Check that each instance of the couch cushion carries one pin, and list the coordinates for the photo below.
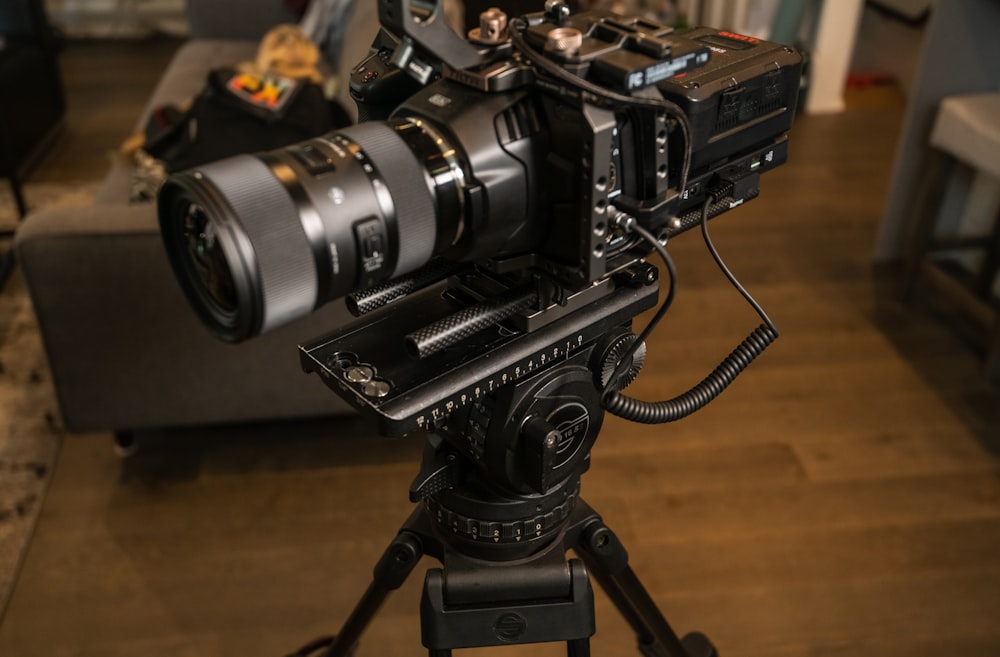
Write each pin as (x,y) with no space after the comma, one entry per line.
(125,349)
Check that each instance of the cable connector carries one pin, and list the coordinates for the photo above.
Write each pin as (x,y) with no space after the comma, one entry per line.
(624,221)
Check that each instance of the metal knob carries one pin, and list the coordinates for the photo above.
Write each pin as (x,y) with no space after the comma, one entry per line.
(492,27)
(564,40)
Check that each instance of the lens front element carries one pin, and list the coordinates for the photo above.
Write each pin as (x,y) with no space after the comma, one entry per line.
(208,260)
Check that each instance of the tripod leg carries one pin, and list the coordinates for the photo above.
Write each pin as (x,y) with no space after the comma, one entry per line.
(397,562)
(607,560)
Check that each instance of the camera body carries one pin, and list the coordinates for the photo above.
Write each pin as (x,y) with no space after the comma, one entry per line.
(589,165)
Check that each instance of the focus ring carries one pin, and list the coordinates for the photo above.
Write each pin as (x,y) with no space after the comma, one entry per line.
(271,222)
(416,223)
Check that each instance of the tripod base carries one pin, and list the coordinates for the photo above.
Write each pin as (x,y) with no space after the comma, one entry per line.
(475,603)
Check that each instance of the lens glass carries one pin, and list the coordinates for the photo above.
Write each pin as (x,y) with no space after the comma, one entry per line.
(208,259)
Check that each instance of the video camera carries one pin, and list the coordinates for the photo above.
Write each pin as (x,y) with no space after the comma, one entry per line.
(502,193)
(528,147)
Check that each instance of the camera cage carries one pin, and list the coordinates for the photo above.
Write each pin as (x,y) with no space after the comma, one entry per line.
(671,130)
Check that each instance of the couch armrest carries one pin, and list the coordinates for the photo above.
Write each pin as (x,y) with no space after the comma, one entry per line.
(235,19)
(125,349)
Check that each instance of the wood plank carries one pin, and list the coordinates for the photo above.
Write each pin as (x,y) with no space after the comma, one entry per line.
(864,615)
(781,509)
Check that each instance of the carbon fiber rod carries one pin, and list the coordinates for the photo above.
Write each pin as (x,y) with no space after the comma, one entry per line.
(455,328)
(365,301)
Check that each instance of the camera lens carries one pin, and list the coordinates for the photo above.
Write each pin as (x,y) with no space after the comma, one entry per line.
(259,240)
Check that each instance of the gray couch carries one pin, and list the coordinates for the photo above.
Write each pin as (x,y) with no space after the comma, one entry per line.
(125,350)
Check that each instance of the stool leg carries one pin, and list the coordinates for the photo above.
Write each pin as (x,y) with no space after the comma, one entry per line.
(926,203)
(987,282)
(993,355)
(7,262)
(15,186)
(987,275)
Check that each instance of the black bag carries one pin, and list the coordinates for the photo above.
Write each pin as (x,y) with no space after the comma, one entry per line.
(237,113)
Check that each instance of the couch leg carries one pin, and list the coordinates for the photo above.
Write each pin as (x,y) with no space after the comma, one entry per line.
(126,443)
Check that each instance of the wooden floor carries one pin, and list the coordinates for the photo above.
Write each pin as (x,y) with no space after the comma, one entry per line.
(841,498)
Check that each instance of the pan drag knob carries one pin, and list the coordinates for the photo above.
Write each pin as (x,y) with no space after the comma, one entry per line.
(613,352)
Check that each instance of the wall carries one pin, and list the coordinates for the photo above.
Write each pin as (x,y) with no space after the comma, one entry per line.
(890,46)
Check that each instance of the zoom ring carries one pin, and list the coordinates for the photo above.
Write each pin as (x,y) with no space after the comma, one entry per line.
(506,531)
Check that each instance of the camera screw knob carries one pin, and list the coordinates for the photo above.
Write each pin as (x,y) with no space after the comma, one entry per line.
(376,388)
(564,40)
(359,374)
(370,385)
(492,28)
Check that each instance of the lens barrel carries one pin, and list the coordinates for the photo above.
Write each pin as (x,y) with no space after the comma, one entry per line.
(259,240)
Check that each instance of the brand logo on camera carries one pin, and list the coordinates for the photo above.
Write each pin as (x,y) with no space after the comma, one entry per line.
(572,421)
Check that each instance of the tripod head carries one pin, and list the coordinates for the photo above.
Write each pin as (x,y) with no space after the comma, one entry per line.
(512,410)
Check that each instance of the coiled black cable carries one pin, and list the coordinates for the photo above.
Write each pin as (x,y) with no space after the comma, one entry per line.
(636,410)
